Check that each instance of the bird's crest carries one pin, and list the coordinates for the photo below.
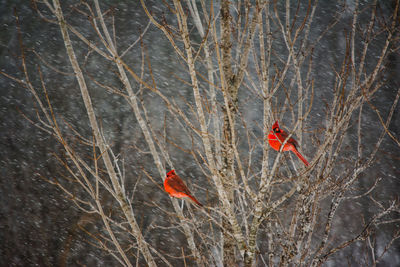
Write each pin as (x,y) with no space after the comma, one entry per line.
(171,172)
(275,127)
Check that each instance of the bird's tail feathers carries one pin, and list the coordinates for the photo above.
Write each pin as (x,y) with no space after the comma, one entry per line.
(194,200)
(300,156)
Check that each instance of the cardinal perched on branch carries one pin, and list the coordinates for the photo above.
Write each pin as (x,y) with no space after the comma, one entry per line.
(276,137)
(175,187)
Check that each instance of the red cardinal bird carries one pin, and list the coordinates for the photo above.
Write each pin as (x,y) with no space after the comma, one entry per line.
(175,187)
(276,137)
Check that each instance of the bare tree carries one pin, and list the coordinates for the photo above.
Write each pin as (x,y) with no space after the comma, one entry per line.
(241,58)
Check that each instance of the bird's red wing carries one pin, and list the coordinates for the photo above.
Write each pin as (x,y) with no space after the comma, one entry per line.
(178,185)
(282,135)
(177,188)
(293,141)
